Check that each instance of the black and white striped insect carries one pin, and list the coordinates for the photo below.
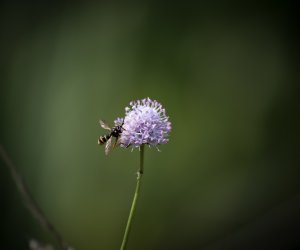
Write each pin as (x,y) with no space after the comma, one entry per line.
(115,132)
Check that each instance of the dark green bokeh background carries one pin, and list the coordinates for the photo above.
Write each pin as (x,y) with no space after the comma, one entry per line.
(227,75)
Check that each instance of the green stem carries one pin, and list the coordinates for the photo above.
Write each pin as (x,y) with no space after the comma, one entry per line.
(136,194)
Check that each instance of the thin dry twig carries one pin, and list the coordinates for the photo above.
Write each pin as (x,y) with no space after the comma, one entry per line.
(30,203)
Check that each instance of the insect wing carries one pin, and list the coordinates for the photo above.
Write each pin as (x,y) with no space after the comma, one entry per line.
(108,146)
(117,142)
(104,125)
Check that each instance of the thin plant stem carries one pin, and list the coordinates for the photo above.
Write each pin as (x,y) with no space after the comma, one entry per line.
(135,197)
(30,202)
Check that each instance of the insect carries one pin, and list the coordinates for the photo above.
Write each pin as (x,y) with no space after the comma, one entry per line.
(114,132)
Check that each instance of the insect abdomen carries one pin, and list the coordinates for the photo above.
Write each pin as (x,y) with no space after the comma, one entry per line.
(103,139)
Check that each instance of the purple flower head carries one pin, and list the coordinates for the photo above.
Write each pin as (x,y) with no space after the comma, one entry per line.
(145,122)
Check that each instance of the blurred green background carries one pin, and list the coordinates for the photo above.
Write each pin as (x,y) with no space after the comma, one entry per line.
(227,75)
